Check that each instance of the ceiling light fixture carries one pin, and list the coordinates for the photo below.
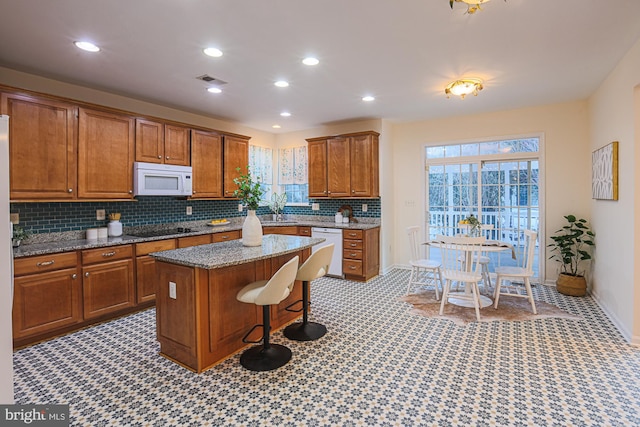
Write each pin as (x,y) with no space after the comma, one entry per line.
(368,98)
(463,87)
(285,114)
(276,126)
(212,51)
(214,90)
(88,46)
(472,5)
(310,61)
(281,83)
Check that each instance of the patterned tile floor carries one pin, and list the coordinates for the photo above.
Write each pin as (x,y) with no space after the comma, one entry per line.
(379,365)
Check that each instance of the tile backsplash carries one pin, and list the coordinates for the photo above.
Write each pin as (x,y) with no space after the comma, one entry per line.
(52,217)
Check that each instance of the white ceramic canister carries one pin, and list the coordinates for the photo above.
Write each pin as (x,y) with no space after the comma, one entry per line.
(345,219)
(339,218)
(103,233)
(115,228)
(92,233)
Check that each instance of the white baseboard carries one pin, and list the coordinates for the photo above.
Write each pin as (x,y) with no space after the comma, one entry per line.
(631,339)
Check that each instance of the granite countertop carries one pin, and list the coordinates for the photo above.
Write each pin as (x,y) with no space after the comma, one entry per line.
(218,255)
(72,244)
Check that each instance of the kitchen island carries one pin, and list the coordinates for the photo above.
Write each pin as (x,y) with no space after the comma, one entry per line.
(199,321)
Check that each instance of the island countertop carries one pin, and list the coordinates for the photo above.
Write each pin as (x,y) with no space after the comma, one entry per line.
(225,254)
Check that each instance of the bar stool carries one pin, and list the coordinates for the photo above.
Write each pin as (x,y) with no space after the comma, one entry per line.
(316,266)
(267,356)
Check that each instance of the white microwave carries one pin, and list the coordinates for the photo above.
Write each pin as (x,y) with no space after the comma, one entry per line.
(151,179)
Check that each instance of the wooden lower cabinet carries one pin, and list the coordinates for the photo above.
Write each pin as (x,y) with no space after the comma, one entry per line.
(107,287)
(146,268)
(205,323)
(361,254)
(46,301)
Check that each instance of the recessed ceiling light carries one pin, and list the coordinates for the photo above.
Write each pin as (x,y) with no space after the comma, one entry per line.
(276,126)
(281,83)
(285,114)
(368,98)
(214,90)
(88,46)
(212,51)
(310,61)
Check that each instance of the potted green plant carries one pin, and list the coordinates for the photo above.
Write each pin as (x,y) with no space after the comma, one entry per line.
(250,193)
(19,234)
(571,246)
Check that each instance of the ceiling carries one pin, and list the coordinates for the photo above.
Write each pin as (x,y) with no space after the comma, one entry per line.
(403,52)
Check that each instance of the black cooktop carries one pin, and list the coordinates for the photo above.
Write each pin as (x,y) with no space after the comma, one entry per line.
(163,232)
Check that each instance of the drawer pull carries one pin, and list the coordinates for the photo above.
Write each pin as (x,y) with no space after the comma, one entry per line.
(45,263)
(352,234)
(351,267)
(353,245)
(225,237)
(353,254)
(109,254)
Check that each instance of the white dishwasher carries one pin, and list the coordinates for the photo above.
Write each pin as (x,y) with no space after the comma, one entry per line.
(332,235)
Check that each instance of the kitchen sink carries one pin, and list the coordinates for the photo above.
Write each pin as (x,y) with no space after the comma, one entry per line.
(161,232)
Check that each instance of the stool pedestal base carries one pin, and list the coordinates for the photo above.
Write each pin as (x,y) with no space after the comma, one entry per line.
(308,331)
(259,358)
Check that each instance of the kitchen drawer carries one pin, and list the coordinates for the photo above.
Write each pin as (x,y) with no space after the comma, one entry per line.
(291,230)
(159,245)
(352,234)
(225,237)
(111,253)
(42,263)
(352,254)
(352,267)
(352,244)
(185,242)
(304,231)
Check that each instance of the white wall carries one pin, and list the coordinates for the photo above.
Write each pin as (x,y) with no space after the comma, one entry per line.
(613,116)
(567,161)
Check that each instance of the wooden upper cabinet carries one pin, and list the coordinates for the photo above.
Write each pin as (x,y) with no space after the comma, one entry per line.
(42,147)
(177,145)
(206,150)
(317,150)
(157,142)
(105,155)
(338,167)
(364,165)
(149,141)
(235,155)
(344,166)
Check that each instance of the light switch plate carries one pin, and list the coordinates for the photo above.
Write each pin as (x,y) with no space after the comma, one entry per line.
(365,207)
(172,290)
(315,206)
(189,210)
(239,207)
(100,214)
(14,218)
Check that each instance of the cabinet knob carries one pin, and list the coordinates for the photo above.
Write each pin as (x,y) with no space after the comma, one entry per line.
(353,191)
(130,191)
(74,276)
(86,274)
(70,190)
(167,157)
(194,191)
(328,192)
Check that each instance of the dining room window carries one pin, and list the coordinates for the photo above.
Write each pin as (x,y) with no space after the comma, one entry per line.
(496,181)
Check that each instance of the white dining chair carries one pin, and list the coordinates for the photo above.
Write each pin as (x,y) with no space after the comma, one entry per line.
(524,273)
(424,272)
(468,272)
(484,260)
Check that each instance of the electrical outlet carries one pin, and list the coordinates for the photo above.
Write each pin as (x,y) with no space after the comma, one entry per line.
(239,207)
(189,210)
(315,206)
(172,290)
(14,218)
(100,214)
(364,207)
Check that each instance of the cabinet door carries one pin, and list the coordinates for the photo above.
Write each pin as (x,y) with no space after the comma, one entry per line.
(236,155)
(45,302)
(317,168)
(149,141)
(177,146)
(206,160)
(364,165)
(42,147)
(145,279)
(107,287)
(105,155)
(338,167)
